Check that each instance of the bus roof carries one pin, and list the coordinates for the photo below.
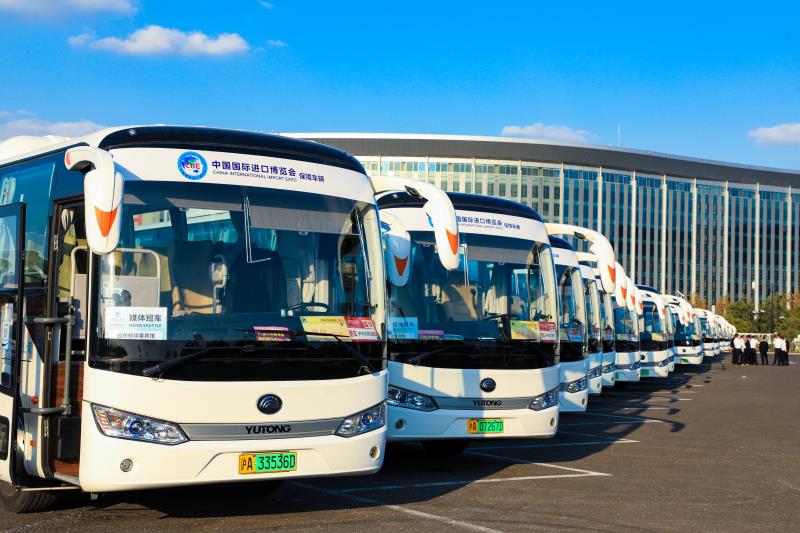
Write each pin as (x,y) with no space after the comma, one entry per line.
(188,137)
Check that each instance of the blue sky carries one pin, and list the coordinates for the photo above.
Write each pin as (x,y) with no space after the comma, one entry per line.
(718,81)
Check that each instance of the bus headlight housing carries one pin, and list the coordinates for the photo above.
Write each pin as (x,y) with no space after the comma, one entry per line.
(124,425)
(410,400)
(545,401)
(363,422)
(575,386)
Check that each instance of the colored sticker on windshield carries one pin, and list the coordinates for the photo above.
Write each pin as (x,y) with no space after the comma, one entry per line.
(146,323)
(575,334)
(362,329)
(548,332)
(524,330)
(272,334)
(330,325)
(403,327)
(431,334)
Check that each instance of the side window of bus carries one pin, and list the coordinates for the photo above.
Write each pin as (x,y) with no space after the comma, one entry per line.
(30,183)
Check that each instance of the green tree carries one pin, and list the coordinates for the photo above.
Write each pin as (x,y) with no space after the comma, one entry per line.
(740,314)
(698,301)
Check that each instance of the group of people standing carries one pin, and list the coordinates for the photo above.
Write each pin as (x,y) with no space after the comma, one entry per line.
(746,347)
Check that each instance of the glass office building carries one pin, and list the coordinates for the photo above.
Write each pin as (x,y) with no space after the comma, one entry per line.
(680,224)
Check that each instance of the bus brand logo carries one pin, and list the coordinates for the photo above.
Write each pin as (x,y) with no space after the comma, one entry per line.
(487,403)
(192,165)
(263,430)
(488,385)
(269,404)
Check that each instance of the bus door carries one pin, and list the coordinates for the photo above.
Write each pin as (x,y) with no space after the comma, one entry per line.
(71,298)
(12,231)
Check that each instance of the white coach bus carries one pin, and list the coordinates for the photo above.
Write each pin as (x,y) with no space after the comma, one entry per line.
(473,322)
(574,361)
(653,335)
(186,306)
(688,338)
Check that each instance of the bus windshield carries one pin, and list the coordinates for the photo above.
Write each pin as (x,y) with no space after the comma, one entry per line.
(625,330)
(684,334)
(269,284)
(653,334)
(607,321)
(573,304)
(573,313)
(705,327)
(593,310)
(496,310)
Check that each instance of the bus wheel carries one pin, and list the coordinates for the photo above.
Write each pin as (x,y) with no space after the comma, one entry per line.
(17,501)
(443,448)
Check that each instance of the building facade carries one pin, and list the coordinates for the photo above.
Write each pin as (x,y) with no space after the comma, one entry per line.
(680,224)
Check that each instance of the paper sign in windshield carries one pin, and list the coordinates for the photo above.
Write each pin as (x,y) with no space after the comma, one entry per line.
(146,323)
(525,330)
(272,334)
(362,329)
(431,334)
(575,334)
(548,332)
(327,325)
(406,327)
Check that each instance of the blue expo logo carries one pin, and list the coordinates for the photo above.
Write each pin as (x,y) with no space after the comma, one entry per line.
(192,165)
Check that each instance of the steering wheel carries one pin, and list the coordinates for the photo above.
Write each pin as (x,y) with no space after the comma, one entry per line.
(306,305)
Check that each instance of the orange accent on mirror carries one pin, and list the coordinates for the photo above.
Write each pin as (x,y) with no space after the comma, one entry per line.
(105,219)
(453,239)
(400,264)
(613,273)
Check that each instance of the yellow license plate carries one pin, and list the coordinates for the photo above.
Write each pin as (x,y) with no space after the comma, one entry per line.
(484,425)
(266,463)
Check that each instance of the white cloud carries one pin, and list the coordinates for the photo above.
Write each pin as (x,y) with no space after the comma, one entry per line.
(52,7)
(276,43)
(266,5)
(14,123)
(157,40)
(554,132)
(787,134)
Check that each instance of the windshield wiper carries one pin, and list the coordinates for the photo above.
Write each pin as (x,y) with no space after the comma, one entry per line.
(355,353)
(491,316)
(163,366)
(424,355)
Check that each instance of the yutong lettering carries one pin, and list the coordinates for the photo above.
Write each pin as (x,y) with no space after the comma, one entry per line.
(274,428)
(487,403)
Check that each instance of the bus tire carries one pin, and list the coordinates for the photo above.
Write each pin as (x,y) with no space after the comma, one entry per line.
(445,448)
(17,501)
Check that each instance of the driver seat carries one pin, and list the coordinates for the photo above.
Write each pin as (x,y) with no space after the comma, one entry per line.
(259,286)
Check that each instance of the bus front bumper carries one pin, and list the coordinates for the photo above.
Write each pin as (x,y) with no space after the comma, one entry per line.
(574,395)
(655,364)
(412,425)
(595,375)
(609,367)
(628,367)
(206,462)
(690,355)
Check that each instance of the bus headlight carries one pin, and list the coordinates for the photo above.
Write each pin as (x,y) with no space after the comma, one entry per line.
(124,425)
(575,386)
(545,401)
(363,422)
(410,400)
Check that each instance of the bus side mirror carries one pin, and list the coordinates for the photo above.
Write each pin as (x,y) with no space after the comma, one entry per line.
(438,207)
(397,249)
(102,194)
(620,287)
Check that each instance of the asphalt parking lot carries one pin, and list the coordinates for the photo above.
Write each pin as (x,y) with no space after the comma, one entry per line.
(714,448)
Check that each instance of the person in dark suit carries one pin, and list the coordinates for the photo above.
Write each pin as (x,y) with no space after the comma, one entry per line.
(750,351)
(763,348)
